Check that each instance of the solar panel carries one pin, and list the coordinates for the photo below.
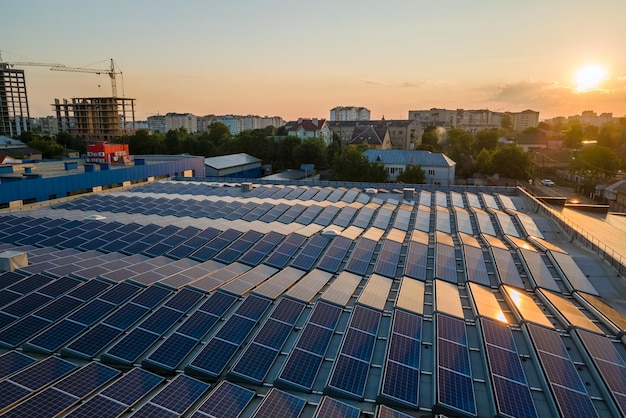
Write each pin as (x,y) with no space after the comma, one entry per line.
(12,361)
(475,265)
(262,248)
(238,247)
(280,257)
(227,400)
(280,404)
(335,254)
(177,397)
(565,382)
(310,252)
(388,257)
(333,408)
(361,256)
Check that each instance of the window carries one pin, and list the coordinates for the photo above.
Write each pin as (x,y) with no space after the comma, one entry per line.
(431,172)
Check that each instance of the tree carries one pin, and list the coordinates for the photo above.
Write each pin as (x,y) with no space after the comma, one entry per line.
(145,143)
(486,139)
(412,174)
(49,149)
(483,163)
(311,151)
(596,162)
(352,165)
(511,161)
(506,122)
(430,138)
(574,136)
(458,146)
(218,132)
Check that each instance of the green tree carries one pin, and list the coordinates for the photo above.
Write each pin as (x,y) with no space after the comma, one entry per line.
(172,142)
(142,142)
(596,162)
(483,163)
(573,136)
(352,165)
(430,138)
(218,133)
(412,174)
(49,148)
(312,151)
(458,146)
(511,161)
(506,122)
(486,139)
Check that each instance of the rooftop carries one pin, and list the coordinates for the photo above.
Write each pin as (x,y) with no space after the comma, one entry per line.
(206,299)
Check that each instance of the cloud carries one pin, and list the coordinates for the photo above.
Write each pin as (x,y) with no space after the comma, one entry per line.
(408,84)
(551,98)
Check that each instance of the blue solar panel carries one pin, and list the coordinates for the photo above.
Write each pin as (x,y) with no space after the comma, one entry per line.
(87,379)
(55,336)
(43,373)
(171,353)
(21,330)
(505,363)
(358,344)
(349,376)
(285,251)
(161,320)
(361,256)
(288,311)
(126,316)
(92,342)
(227,400)
(238,247)
(255,363)
(198,324)
(26,304)
(182,392)
(387,262)
(365,319)
(454,381)
(132,386)
(326,315)
(335,254)
(262,248)
(184,299)
(273,334)
(280,404)
(332,408)
(400,383)
(131,347)
(455,391)
(386,412)
(315,339)
(151,296)
(92,312)
(310,253)
(253,307)
(12,361)
(513,399)
(236,329)
(416,261)
(213,358)
(58,308)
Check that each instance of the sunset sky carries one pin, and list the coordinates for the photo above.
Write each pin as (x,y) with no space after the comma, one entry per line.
(300,59)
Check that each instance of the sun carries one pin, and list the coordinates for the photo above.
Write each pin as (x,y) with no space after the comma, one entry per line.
(589,77)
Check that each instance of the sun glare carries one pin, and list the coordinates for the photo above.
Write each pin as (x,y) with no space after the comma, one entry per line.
(589,77)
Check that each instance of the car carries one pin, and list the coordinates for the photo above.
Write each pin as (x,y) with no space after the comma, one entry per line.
(547,182)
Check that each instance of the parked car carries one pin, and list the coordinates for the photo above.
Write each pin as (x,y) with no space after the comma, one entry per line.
(547,182)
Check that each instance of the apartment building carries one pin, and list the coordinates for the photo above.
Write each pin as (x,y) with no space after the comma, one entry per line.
(403,134)
(175,121)
(349,113)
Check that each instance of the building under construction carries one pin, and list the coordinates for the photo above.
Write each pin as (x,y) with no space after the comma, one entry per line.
(14,114)
(96,119)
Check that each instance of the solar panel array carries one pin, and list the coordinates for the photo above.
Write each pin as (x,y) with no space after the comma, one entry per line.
(200,300)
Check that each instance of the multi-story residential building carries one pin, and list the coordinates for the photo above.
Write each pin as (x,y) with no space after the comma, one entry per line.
(404,134)
(175,121)
(156,124)
(205,121)
(251,122)
(47,125)
(590,117)
(232,122)
(349,113)
(14,113)
(474,120)
(524,120)
(310,128)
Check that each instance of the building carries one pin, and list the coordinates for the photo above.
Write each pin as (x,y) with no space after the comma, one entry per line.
(108,153)
(17,149)
(14,112)
(524,120)
(40,182)
(175,121)
(156,124)
(233,123)
(375,136)
(191,298)
(474,120)
(233,166)
(438,168)
(310,128)
(404,134)
(349,113)
(96,119)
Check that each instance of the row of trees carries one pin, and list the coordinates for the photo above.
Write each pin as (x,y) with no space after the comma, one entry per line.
(482,153)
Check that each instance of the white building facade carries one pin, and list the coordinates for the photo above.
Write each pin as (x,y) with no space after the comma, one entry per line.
(349,113)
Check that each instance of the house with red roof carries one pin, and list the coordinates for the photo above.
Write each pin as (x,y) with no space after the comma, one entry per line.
(310,128)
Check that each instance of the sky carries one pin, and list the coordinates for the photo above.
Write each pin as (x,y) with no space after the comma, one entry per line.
(292,58)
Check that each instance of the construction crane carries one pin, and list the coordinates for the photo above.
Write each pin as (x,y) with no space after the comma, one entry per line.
(60,67)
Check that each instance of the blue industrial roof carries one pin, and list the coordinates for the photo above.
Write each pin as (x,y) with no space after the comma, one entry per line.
(406,157)
(202,299)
